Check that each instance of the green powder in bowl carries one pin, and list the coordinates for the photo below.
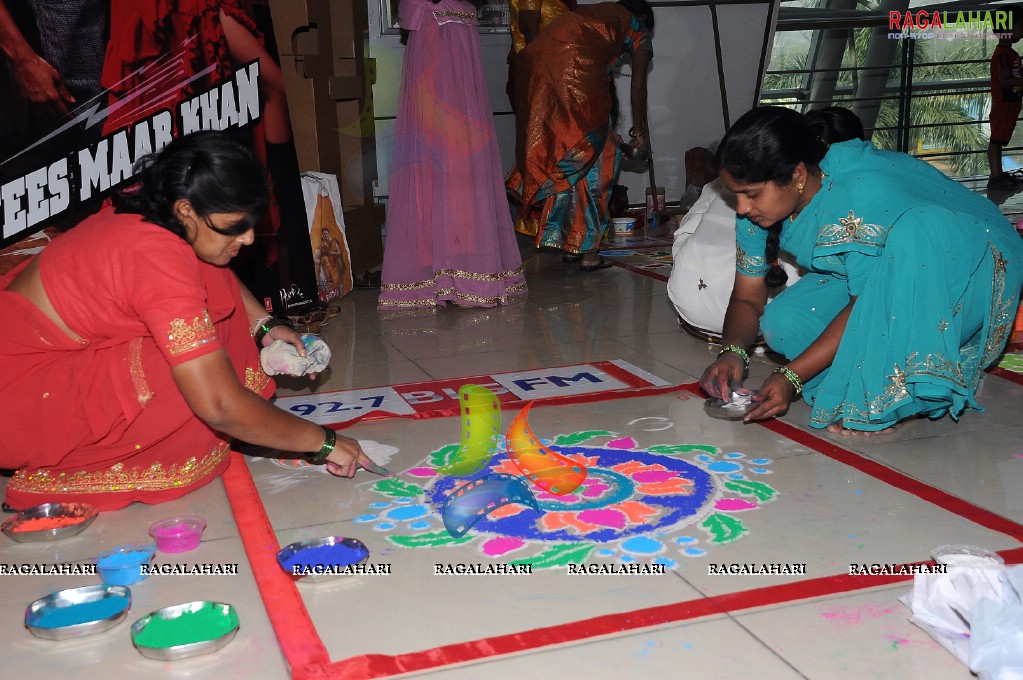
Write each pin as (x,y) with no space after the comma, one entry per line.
(185,630)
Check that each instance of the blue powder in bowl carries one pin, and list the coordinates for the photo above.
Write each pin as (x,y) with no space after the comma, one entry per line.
(123,567)
(338,555)
(83,612)
(124,559)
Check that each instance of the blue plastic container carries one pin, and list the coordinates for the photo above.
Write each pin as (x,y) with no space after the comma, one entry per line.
(122,566)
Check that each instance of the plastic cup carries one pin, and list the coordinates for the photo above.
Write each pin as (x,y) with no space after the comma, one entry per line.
(178,534)
(623,225)
(123,566)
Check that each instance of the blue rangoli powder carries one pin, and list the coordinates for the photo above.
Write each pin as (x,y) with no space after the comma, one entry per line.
(84,612)
(124,559)
(338,555)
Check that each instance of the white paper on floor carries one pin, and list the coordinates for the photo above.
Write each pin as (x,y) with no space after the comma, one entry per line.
(976,613)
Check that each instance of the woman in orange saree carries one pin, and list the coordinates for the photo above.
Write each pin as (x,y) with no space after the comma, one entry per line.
(566,150)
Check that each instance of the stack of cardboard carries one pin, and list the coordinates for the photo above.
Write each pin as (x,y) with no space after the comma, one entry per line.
(328,82)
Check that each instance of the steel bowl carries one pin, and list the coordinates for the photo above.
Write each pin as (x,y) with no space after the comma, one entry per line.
(286,557)
(959,555)
(176,615)
(38,615)
(84,513)
(734,410)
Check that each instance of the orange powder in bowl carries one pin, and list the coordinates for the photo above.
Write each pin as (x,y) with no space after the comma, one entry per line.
(44,523)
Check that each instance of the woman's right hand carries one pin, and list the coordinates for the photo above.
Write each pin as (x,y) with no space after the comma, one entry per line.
(727,370)
(347,456)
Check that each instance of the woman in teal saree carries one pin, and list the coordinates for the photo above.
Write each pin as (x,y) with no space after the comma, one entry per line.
(913,285)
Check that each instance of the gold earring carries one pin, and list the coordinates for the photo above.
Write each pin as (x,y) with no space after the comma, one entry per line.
(801,188)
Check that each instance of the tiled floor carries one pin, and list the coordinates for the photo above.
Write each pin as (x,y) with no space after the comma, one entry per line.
(1010,202)
(823,513)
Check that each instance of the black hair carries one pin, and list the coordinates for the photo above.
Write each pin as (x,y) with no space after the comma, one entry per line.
(835,124)
(209,169)
(642,10)
(766,145)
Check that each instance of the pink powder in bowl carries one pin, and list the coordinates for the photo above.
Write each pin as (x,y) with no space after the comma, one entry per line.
(177,534)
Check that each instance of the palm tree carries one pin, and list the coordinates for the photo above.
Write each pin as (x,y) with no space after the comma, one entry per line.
(949,119)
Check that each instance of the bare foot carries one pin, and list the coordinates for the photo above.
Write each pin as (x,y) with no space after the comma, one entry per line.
(839,428)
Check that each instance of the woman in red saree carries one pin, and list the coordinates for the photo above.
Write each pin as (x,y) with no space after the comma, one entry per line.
(566,152)
(128,363)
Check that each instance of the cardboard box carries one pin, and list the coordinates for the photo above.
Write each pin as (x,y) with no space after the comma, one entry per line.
(327,81)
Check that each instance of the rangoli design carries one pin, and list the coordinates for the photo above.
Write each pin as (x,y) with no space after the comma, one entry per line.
(635,505)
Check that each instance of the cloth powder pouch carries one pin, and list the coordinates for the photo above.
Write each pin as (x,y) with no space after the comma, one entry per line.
(282,358)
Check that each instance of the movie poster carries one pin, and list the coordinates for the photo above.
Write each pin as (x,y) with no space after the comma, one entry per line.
(89,86)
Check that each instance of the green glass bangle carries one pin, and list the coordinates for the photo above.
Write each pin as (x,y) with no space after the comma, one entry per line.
(735,349)
(266,327)
(328,446)
(792,377)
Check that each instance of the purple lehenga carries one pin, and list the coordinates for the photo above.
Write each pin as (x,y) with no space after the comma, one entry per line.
(449,230)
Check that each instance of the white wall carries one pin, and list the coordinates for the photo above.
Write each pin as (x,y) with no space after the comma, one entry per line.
(684,104)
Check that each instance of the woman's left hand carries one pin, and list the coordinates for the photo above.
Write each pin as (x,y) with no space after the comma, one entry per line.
(292,337)
(773,399)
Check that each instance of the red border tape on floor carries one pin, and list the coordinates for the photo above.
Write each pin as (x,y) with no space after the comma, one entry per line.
(308,658)
(943,500)
(379,665)
(289,617)
(1011,376)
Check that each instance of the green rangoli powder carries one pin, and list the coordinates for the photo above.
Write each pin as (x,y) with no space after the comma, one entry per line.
(206,623)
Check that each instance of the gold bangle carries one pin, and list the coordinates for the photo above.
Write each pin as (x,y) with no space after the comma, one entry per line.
(633,132)
(735,349)
(792,377)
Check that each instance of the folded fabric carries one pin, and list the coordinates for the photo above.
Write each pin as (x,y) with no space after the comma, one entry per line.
(282,358)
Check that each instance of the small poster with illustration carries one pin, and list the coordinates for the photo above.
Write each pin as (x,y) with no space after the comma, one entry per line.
(331,258)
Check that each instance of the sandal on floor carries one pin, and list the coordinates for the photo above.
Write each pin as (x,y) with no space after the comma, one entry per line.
(572,258)
(601,264)
(367,280)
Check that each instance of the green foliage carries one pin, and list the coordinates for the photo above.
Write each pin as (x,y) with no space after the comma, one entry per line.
(945,119)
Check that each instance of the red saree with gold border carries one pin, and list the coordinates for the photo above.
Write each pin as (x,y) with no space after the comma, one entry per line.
(100,419)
